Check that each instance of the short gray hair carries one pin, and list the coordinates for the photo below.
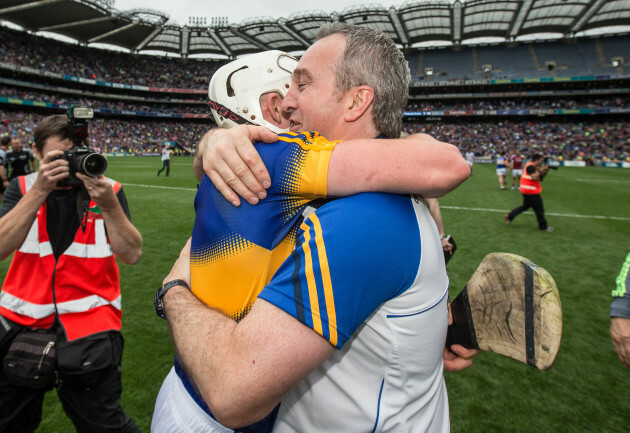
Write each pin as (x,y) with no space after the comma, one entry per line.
(371,58)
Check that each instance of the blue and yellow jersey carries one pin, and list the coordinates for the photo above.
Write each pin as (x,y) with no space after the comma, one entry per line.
(352,255)
(501,161)
(236,250)
(368,275)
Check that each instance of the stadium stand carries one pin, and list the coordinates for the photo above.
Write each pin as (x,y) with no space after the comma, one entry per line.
(447,64)
(507,62)
(615,47)
(554,92)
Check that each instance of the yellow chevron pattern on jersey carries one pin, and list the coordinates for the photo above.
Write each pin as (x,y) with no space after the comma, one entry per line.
(231,283)
(236,251)
(222,248)
(299,186)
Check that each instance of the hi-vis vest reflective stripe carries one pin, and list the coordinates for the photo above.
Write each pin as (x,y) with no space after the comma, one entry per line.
(529,185)
(81,287)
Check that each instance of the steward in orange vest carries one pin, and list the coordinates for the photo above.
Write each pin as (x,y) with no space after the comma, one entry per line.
(530,184)
(534,172)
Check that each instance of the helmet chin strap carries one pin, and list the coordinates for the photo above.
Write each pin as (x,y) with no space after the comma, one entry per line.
(222,110)
(225,112)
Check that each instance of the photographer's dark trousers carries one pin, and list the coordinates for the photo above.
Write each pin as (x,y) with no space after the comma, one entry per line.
(535,202)
(166,164)
(91,400)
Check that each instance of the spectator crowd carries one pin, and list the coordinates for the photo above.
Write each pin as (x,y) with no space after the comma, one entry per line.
(593,140)
(113,135)
(566,140)
(199,106)
(21,49)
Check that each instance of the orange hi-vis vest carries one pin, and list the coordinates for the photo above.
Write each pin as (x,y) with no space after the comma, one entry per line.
(529,185)
(81,287)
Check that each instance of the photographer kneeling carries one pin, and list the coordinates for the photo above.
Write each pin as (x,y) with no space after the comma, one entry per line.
(534,172)
(60,305)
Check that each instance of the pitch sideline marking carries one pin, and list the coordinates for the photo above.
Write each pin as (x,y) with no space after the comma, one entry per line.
(160,187)
(478,209)
(569,215)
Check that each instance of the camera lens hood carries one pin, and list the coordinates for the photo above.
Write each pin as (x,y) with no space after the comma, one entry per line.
(93,164)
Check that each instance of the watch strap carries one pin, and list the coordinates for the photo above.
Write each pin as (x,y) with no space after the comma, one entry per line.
(158,300)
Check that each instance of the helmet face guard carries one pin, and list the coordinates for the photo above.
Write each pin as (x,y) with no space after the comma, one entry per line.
(235,89)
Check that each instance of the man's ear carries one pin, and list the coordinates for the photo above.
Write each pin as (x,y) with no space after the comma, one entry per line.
(359,100)
(38,155)
(275,107)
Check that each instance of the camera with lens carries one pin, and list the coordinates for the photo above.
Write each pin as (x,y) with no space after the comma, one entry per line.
(81,159)
(552,164)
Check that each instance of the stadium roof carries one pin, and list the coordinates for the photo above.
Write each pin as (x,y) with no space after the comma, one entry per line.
(413,23)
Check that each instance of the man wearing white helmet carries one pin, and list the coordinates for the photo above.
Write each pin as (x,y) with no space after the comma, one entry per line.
(250,90)
(313,171)
(254,87)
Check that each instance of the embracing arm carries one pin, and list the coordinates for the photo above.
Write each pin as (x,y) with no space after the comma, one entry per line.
(416,164)
(434,210)
(268,350)
(232,163)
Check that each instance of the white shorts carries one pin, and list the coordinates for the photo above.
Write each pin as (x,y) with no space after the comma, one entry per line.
(176,411)
(517,172)
(501,171)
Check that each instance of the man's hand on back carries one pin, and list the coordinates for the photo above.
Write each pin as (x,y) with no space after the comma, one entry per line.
(232,163)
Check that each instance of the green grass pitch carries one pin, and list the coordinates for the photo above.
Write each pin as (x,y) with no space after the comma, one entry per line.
(586,390)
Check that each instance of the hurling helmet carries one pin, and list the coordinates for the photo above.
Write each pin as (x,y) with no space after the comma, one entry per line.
(235,88)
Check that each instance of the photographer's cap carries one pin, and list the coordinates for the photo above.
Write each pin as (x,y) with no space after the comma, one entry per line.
(235,88)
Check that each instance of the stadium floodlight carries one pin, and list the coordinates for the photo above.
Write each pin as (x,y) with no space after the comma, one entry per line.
(219,22)
(197,21)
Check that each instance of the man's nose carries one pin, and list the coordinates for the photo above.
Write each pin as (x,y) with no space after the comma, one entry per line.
(289,103)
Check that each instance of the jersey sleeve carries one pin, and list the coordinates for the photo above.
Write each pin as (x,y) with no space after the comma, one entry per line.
(352,255)
(298,164)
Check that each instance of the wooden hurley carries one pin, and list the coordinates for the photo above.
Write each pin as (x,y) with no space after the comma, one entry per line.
(510,306)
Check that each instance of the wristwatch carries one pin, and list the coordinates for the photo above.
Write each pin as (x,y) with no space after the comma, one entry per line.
(158,299)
